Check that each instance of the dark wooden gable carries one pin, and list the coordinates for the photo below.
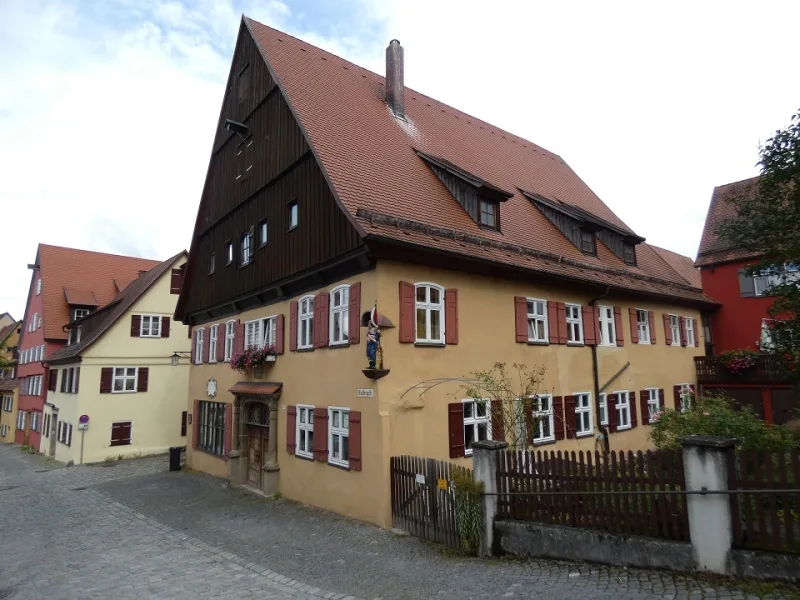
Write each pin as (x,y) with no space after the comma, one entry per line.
(282,170)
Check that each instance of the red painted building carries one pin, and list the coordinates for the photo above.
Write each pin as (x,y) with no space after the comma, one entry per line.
(65,284)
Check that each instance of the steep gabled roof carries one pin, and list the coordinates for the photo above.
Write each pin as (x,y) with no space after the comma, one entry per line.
(713,249)
(683,265)
(85,274)
(103,318)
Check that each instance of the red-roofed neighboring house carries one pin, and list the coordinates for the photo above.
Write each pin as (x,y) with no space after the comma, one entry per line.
(66,284)
(331,190)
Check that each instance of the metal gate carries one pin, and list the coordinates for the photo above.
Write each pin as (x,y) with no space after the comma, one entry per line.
(423,502)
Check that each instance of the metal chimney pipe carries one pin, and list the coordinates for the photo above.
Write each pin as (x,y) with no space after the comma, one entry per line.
(395,89)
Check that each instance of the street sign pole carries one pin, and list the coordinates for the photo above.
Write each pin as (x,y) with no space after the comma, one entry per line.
(83,434)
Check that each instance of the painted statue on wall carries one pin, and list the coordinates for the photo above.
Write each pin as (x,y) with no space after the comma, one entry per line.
(374,350)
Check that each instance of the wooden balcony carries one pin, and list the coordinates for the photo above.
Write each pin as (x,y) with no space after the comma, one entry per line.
(710,369)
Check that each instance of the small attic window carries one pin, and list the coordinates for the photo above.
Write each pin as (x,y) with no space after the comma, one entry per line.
(628,254)
(588,245)
(488,214)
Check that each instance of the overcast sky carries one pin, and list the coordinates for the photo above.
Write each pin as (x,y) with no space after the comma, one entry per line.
(108,109)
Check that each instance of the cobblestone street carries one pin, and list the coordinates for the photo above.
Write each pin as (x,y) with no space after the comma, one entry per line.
(132,530)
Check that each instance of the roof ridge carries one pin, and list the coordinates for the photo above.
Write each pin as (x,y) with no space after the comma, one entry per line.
(656,249)
(43,245)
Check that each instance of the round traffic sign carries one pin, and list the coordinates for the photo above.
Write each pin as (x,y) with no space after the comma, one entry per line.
(83,419)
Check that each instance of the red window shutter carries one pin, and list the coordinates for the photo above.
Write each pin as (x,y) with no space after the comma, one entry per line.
(77,379)
(632,404)
(552,321)
(321,434)
(354,323)
(661,399)
(321,319)
(53,380)
(221,343)
(562,323)
(634,326)
(165,323)
(176,282)
(611,399)
(194,343)
(184,418)
(558,417)
(136,325)
(651,319)
(682,328)
(618,326)
(292,327)
(667,330)
(407,312)
(696,333)
(195,423)
(355,440)
(291,428)
(228,428)
(521,319)
(106,376)
(498,421)
(591,325)
(676,393)
(238,337)
(279,334)
(206,344)
(643,396)
(142,379)
(451,316)
(570,420)
(455,424)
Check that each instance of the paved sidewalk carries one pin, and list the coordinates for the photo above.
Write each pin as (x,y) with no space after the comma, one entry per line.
(133,530)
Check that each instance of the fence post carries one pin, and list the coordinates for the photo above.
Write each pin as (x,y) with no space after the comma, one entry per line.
(705,463)
(484,465)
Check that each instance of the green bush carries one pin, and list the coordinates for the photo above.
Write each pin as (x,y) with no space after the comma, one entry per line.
(716,416)
(469,509)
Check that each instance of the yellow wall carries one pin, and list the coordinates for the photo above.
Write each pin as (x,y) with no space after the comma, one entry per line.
(9,418)
(156,413)
(6,357)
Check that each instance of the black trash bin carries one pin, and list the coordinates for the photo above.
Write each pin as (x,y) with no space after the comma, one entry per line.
(175,458)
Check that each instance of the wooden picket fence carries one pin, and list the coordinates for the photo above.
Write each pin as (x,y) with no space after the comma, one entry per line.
(637,494)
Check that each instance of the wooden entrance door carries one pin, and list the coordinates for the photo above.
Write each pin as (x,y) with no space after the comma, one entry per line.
(254,456)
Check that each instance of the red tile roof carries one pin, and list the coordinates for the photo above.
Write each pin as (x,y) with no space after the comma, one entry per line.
(80,297)
(371,160)
(82,272)
(683,265)
(714,250)
(255,388)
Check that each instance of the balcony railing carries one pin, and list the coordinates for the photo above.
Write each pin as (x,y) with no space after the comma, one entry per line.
(710,369)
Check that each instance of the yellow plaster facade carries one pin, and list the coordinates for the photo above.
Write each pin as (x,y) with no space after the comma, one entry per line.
(9,387)
(395,422)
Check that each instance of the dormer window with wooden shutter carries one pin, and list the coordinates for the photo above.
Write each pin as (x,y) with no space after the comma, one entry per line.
(628,254)
(588,245)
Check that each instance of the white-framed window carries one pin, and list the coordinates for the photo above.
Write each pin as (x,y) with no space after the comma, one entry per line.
(230,337)
(653,403)
(228,252)
(623,409)
(430,313)
(686,395)
(21,416)
(340,312)
(339,436)
(477,422)
(304,431)
(305,323)
(544,426)
(574,324)
(8,403)
(3,430)
(36,421)
(608,330)
(74,336)
(603,409)
(263,232)
(124,380)
(39,379)
(247,249)
(252,334)
(38,286)
(198,345)
(537,320)
(212,343)
(643,325)
(151,326)
(35,322)
(690,333)
(583,414)
(80,313)
(675,329)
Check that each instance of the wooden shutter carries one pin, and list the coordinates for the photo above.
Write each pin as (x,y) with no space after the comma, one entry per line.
(747,286)
(228,428)
(238,337)
(77,379)
(64,379)
(611,408)
(196,424)
(279,334)
(558,417)
(106,376)
(667,330)
(176,281)
(136,325)
(651,319)
(69,434)
(696,333)
(552,322)
(355,440)
(165,323)
(292,327)
(632,405)
(618,326)
(591,325)
(221,343)
(354,325)
(120,434)
(321,319)
(206,344)
(682,330)
(661,399)
(184,418)
(321,434)
(676,393)
(451,316)
(53,380)
(521,319)
(455,424)
(194,344)
(634,326)
(291,429)
(570,419)
(407,313)
(498,421)
(562,323)
(143,375)
(643,396)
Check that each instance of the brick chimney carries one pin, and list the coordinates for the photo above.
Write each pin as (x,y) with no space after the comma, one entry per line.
(395,90)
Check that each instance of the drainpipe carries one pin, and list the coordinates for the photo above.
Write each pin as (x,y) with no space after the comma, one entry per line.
(603,435)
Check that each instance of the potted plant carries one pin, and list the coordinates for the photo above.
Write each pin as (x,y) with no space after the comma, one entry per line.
(739,361)
(253,358)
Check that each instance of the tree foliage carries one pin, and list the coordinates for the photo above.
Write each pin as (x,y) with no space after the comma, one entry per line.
(768,223)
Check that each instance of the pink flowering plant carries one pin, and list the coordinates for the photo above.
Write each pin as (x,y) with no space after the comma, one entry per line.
(252,357)
(738,361)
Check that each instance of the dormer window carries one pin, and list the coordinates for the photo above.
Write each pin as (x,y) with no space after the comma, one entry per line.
(488,214)
(587,242)
(628,254)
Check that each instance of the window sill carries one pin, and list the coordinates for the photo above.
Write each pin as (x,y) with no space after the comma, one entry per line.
(584,434)
(339,345)
(305,349)
(641,343)
(577,344)
(120,392)
(339,466)
(212,362)
(626,428)
(544,442)
(304,457)
(433,344)
(292,228)
(607,345)
(537,343)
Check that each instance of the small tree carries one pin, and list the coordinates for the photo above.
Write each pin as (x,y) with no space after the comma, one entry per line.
(512,399)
